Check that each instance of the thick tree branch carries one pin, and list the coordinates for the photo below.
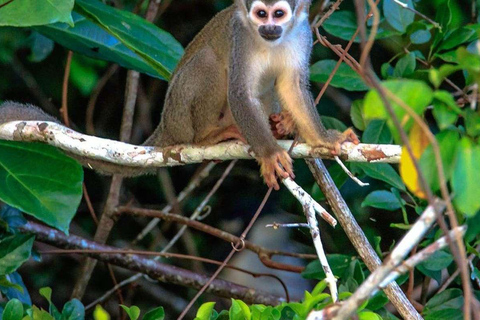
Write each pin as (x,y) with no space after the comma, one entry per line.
(156,270)
(125,154)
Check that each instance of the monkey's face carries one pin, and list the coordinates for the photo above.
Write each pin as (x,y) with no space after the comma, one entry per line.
(270,19)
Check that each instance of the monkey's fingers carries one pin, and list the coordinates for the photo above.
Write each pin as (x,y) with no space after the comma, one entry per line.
(286,162)
(350,135)
(268,173)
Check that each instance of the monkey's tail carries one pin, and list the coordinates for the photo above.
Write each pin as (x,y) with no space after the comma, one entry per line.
(14,111)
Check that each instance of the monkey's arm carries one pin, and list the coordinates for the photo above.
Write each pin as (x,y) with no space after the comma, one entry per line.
(252,120)
(293,88)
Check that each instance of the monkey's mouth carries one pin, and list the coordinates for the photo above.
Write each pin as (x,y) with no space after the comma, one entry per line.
(270,37)
(270,32)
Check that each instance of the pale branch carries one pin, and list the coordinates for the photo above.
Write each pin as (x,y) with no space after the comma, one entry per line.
(116,152)
(357,237)
(322,257)
(307,201)
(156,270)
(394,260)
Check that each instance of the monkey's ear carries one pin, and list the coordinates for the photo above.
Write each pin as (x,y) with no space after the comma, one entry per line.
(302,6)
(242,5)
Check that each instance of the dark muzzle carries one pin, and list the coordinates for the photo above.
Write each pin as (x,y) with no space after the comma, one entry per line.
(270,32)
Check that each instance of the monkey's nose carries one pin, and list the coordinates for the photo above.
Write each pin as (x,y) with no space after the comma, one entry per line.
(270,32)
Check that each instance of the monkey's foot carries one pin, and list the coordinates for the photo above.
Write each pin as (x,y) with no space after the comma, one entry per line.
(282,124)
(346,136)
(222,134)
(279,164)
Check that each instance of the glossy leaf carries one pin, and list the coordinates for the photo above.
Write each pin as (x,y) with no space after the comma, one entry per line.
(15,289)
(14,251)
(416,94)
(405,66)
(458,37)
(450,298)
(205,311)
(100,314)
(466,177)
(447,141)
(438,261)
(356,115)
(343,24)
(397,16)
(133,311)
(41,181)
(155,46)
(27,13)
(73,310)
(383,172)
(344,78)
(239,310)
(13,310)
(382,199)
(378,132)
(158,314)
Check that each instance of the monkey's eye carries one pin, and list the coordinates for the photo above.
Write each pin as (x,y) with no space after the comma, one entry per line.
(279,13)
(262,13)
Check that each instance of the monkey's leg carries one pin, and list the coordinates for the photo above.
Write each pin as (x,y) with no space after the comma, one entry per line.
(282,124)
(222,134)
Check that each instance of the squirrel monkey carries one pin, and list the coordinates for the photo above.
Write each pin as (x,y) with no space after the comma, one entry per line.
(249,62)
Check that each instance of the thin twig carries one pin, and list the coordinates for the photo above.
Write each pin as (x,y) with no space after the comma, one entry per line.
(358,181)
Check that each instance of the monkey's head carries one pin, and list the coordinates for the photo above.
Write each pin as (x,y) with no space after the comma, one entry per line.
(273,18)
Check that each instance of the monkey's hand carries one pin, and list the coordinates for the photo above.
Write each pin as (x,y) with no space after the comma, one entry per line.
(335,139)
(278,164)
(282,124)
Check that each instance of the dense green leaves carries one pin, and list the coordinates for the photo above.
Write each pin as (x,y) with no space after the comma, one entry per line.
(41,181)
(157,47)
(415,94)
(14,251)
(118,36)
(159,314)
(344,78)
(28,13)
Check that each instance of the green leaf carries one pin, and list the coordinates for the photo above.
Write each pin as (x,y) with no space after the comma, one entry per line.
(338,262)
(46,292)
(383,172)
(445,314)
(377,132)
(447,141)
(368,315)
(159,314)
(466,177)
(405,66)
(157,47)
(239,310)
(457,37)
(382,199)
(14,251)
(472,122)
(41,47)
(416,94)
(73,310)
(11,219)
(100,314)
(205,311)
(377,302)
(40,314)
(397,16)
(420,36)
(15,288)
(344,78)
(356,115)
(444,115)
(13,310)
(448,299)
(438,261)
(41,181)
(27,13)
(343,24)
(133,312)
